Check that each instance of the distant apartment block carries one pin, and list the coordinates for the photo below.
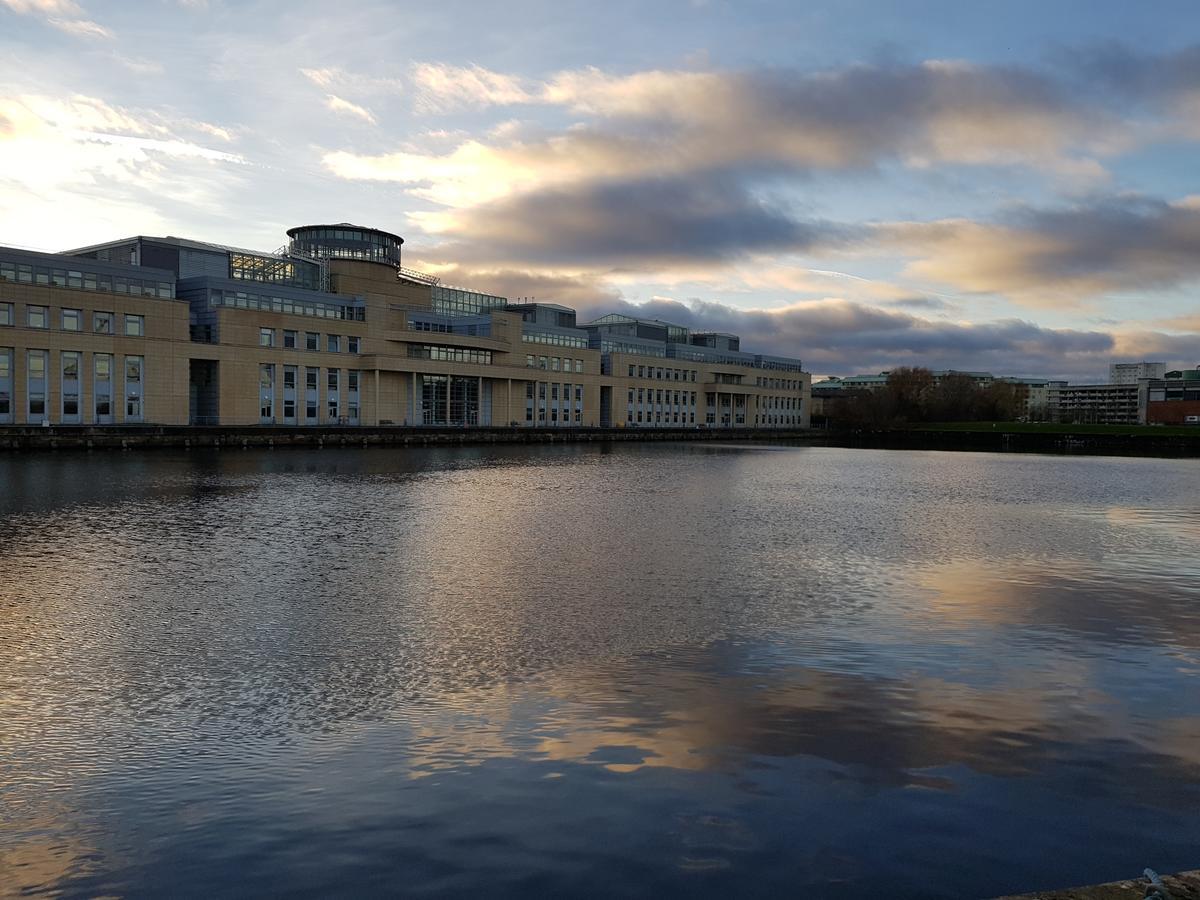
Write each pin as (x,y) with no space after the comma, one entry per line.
(1132,373)
(332,329)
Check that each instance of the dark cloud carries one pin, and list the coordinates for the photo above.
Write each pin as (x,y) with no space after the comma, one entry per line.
(841,337)
(707,218)
(1119,70)
(1099,246)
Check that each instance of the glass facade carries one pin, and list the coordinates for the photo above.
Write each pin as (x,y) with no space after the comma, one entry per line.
(449,301)
(275,270)
(449,400)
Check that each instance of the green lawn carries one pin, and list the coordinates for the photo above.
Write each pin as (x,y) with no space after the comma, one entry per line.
(1053,428)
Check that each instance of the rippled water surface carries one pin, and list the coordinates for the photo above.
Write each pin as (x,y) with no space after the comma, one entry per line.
(641,671)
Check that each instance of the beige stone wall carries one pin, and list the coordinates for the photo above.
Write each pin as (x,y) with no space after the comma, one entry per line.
(785,397)
(165,384)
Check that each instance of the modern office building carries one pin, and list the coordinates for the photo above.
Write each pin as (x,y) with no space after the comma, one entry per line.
(1174,399)
(332,329)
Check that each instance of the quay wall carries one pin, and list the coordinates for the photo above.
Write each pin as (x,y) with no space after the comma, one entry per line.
(130,437)
(1143,442)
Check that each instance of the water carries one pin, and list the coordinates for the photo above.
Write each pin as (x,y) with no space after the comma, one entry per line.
(641,671)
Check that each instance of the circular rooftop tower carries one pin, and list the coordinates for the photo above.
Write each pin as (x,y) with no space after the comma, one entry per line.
(346,241)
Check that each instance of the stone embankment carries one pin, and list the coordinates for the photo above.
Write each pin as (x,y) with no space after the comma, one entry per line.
(131,437)
(1184,886)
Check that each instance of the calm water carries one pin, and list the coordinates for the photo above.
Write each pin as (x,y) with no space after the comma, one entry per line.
(669,671)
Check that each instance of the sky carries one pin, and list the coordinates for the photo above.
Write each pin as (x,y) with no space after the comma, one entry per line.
(864,184)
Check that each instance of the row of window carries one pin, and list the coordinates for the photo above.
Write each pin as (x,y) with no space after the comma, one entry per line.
(660,418)
(779,384)
(552,363)
(288,305)
(557,340)
(29,273)
(779,403)
(552,415)
(450,354)
(312,340)
(611,346)
(554,392)
(70,382)
(650,395)
(73,320)
(661,374)
(310,403)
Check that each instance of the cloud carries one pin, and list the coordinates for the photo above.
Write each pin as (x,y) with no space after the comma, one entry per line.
(81,28)
(43,7)
(827,333)
(65,15)
(446,88)
(338,105)
(1059,256)
(705,219)
(335,78)
(769,123)
(72,163)
(1169,81)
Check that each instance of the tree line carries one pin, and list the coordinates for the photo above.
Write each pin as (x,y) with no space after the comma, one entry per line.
(913,395)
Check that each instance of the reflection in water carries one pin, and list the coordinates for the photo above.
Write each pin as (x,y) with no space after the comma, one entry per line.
(643,671)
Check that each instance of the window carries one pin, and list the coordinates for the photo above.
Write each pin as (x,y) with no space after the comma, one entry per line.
(266,337)
(289,340)
(554,364)
(266,392)
(529,390)
(353,344)
(134,376)
(333,343)
(554,391)
(310,379)
(6,314)
(332,396)
(579,393)
(72,320)
(543,362)
(312,340)
(6,384)
(289,378)
(352,380)
(36,376)
(530,362)
(579,365)
(632,369)
(641,371)
(135,326)
(102,322)
(37,316)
